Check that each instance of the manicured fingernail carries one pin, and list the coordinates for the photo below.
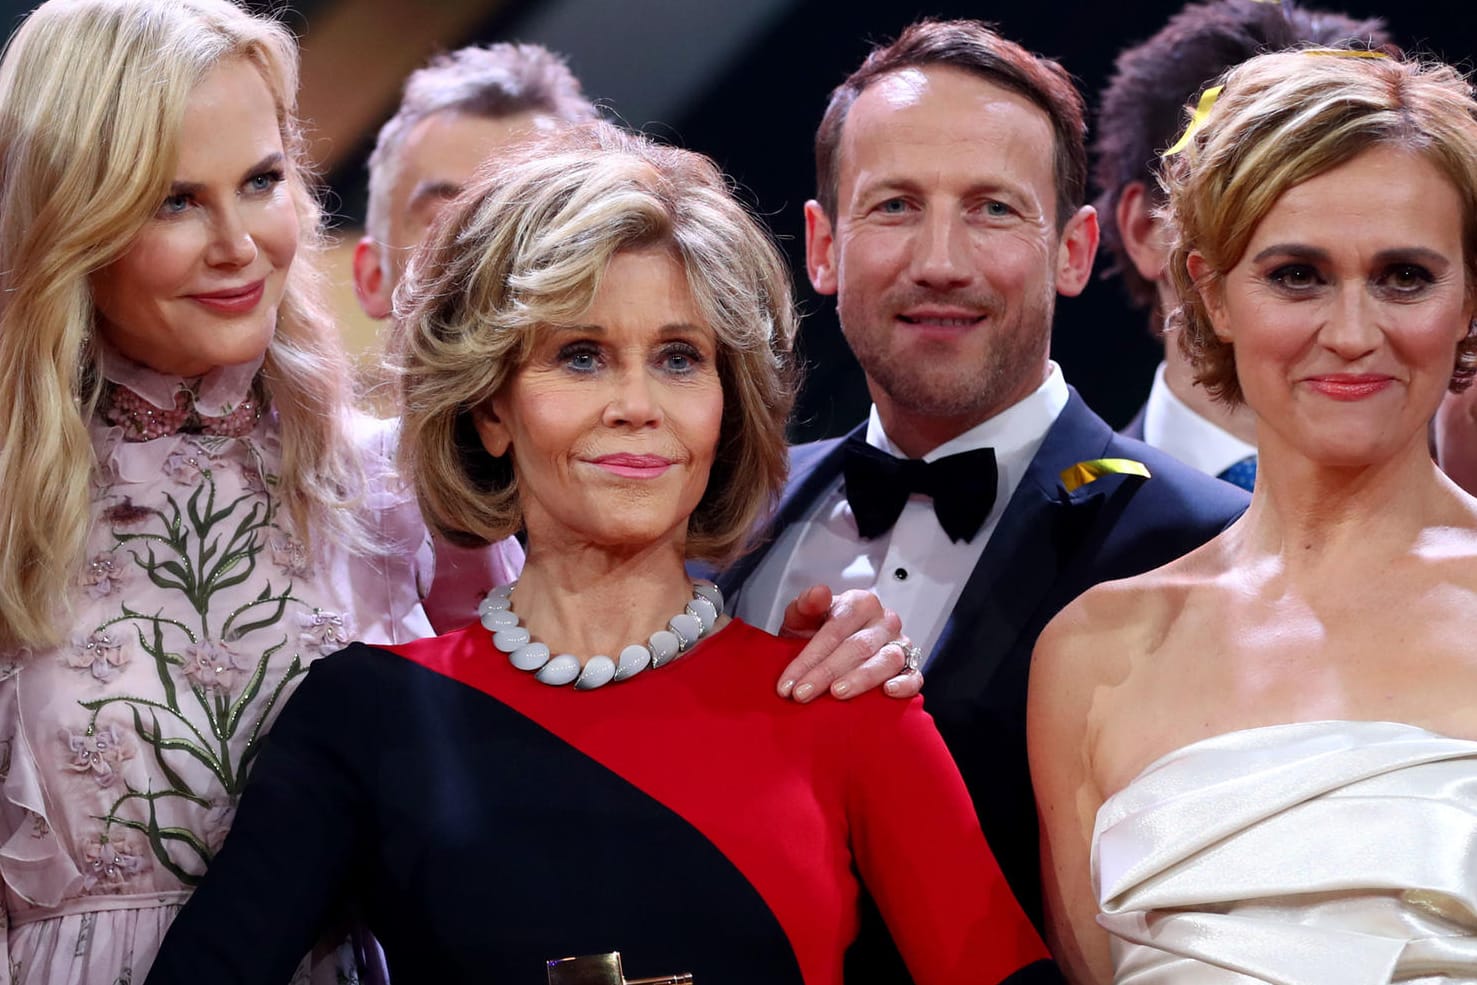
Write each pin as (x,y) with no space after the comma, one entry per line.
(804,691)
(892,688)
(786,687)
(840,689)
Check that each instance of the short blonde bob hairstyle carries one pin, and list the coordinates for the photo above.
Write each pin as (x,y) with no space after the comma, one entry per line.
(92,93)
(1280,120)
(524,248)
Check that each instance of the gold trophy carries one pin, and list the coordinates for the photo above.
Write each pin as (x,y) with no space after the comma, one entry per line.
(604,969)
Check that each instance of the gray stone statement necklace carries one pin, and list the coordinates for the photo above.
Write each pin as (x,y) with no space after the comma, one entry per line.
(683,631)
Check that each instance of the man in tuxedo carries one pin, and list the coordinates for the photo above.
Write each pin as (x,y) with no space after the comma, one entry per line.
(1142,112)
(981,495)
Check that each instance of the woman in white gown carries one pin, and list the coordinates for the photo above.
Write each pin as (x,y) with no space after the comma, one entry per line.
(1259,763)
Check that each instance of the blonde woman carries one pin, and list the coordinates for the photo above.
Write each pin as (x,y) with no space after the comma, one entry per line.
(1259,763)
(189,514)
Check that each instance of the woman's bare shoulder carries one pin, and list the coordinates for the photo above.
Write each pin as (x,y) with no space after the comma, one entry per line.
(1104,637)
(1130,607)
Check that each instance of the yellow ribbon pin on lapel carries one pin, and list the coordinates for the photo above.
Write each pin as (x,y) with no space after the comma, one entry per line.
(1082,473)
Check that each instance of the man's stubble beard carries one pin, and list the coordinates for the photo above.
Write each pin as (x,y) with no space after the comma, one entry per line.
(925,384)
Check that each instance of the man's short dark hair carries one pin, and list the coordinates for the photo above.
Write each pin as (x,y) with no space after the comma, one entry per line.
(1142,110)
(974,47)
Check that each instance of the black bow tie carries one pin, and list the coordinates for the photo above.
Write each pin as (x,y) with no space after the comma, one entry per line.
(962,487)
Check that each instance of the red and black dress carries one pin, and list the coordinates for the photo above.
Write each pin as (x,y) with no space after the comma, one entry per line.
(482,823)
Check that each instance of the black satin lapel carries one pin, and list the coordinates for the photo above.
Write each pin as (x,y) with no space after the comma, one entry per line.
(800,494)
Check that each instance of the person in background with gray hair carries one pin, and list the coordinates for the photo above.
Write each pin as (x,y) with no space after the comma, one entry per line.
(457,111)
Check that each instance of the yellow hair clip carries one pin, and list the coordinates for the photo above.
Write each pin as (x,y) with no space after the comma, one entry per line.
(1082,473)
(1197,119)
(1344,53)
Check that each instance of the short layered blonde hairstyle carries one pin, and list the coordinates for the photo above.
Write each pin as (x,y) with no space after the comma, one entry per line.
(1280,120)
(525,248)
(92,95)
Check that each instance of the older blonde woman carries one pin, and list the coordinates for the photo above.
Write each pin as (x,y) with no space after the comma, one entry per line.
(1259,763)
(596,348)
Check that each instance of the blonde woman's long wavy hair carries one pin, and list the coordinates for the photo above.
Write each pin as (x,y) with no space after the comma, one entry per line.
(91,94)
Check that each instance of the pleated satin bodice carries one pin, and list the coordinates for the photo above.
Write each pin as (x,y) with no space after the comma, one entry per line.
(1307,854)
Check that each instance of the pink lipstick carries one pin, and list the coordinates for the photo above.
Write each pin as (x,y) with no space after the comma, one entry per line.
(233,300)
(1349,386)
(633,466)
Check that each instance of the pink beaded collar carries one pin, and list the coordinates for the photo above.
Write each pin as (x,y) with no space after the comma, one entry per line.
(142,421)
(147,404)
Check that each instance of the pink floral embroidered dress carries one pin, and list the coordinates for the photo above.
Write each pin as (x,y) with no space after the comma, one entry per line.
(123,751)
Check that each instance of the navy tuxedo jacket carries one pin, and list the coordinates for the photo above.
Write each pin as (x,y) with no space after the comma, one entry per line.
(1049,547)
(1135,428)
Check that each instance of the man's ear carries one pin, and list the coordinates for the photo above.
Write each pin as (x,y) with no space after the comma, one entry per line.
(1208,286)
(1076,251)
(1142,234)
(372,285)
(495,435)
(820,249)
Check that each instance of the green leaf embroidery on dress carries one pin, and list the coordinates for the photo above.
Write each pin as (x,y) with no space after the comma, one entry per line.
(218,674)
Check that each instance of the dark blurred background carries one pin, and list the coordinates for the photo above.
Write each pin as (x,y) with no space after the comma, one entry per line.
(745,81)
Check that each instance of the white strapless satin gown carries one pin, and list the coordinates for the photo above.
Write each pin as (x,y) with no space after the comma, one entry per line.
(1323,853)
